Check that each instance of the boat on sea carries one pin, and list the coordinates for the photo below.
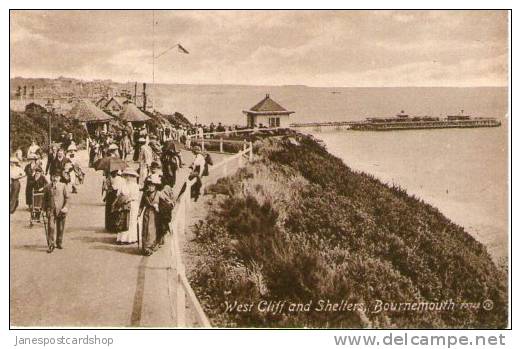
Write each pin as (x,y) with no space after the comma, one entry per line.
(403,121)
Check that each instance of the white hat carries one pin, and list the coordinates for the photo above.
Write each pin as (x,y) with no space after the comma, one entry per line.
(154,179)
(14,159)
(72,147)
(129,172)
(113,147)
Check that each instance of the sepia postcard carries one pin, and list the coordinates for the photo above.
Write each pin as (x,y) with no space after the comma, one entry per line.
(344,169)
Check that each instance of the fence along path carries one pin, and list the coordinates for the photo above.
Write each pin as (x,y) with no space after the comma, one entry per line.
(184,294)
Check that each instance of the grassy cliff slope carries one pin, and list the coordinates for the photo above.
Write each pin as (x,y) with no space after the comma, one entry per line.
(300,227)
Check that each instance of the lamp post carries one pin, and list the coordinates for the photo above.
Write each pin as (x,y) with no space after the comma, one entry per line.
(50,110)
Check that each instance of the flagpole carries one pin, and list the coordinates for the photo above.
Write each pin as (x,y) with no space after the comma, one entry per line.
(153,55)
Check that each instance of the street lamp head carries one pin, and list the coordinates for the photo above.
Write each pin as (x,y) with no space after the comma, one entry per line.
(49,106)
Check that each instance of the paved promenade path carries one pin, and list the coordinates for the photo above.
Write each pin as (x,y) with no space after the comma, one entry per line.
(91,282)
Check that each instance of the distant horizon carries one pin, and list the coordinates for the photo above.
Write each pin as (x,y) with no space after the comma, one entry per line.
(255,85)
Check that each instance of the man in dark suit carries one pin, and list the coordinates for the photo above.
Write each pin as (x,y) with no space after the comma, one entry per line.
(58,165)
(53,154)
(54,205)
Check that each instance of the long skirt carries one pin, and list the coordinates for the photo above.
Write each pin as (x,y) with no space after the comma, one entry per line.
(14,191)
(137,148)
(29,193)
(143,173)
(109,219)
(164,226)
(149,229)
(130,236)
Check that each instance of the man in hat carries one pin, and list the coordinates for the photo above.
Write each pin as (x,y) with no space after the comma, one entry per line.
(54,206)
(51,157)
(58,165)
(15,174)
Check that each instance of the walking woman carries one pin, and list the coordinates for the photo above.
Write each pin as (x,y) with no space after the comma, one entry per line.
(15,174)
(149,208)
(29,172)
(197,172)
(132,192)
(113,183)
(171,161)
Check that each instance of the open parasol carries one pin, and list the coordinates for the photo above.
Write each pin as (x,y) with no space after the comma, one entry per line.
(110,164)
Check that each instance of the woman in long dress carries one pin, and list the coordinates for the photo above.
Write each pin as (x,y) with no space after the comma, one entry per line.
(149,208)
(29,172)
(111,187)
(132,191)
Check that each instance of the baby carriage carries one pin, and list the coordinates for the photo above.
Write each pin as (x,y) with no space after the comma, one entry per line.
(36,209)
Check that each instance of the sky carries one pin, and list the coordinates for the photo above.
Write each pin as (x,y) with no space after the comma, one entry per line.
(314,48)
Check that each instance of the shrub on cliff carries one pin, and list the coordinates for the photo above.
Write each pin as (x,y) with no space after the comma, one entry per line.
(298,225)
(34,124)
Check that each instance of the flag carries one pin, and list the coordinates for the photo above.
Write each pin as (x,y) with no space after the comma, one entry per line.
(181,49)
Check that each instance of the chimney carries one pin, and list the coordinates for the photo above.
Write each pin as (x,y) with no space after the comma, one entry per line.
(267,95)
(144,96)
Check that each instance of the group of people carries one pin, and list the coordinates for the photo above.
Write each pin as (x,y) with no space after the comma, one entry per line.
(139,195)
(139,198)
(47,200)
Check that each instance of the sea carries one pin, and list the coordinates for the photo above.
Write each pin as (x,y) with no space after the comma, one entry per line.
(462,172)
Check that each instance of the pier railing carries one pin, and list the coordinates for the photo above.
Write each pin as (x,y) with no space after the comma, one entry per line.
(184,294)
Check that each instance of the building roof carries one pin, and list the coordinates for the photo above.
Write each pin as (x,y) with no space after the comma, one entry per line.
(86,111)
(268,106)
(132,113)
(101,102)
(120,100)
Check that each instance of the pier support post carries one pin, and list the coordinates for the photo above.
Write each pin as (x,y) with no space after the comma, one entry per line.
(221,145)
(251,151)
